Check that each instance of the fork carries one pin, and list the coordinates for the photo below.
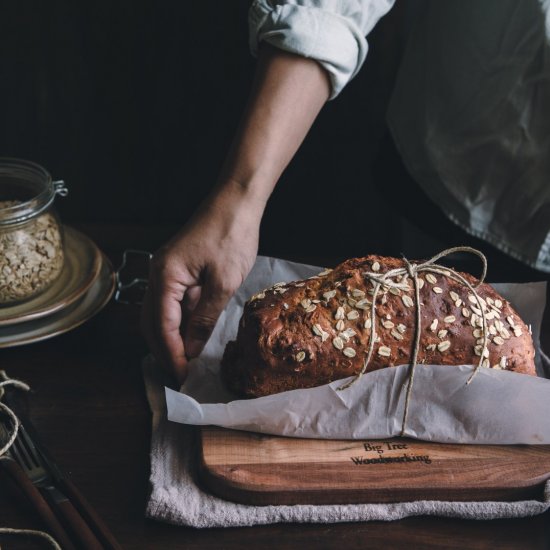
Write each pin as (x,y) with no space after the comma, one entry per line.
(27,456)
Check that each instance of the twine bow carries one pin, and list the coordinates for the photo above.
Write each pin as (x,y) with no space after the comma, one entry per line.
(389,280)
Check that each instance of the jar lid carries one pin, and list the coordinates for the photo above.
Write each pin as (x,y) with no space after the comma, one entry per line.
(29,186)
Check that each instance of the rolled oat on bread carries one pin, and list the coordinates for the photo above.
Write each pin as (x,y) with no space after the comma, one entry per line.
(308,333)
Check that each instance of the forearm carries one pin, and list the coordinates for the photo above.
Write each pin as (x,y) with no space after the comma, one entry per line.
(288,93)
(195,274)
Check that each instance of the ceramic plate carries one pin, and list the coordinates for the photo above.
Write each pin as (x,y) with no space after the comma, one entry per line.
(80,270)
(66,319)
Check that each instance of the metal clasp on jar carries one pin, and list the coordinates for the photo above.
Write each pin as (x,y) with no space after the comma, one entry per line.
(60,188)
(137,283)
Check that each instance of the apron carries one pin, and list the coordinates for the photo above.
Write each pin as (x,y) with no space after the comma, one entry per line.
(470,116)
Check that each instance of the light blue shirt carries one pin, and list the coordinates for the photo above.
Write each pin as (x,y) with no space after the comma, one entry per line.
(470,112)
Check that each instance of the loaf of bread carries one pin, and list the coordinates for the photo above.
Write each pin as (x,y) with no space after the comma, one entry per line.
(308,333)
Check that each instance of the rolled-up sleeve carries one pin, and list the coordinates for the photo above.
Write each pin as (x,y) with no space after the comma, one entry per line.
(330,31)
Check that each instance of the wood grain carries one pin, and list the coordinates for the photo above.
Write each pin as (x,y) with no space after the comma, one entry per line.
(260,469)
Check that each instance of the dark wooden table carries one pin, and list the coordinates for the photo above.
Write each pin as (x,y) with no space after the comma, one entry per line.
(89,404)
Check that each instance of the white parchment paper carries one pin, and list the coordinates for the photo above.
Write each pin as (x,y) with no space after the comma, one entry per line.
(498,407)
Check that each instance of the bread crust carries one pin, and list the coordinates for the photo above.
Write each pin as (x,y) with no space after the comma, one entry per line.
(312,332)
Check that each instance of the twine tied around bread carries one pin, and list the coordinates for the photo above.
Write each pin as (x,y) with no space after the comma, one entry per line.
(388,280)
(5,380)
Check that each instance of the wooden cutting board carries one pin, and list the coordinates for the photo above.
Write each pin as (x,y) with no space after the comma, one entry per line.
(261,469)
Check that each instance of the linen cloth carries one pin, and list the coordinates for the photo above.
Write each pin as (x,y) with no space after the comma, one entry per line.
(177,498)
(470,111)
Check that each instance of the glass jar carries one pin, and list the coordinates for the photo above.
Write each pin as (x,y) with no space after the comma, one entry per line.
(31,236)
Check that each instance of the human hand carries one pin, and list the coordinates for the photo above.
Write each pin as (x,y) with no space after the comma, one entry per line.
(194,275)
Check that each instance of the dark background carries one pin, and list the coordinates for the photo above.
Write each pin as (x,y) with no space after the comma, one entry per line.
(134,104)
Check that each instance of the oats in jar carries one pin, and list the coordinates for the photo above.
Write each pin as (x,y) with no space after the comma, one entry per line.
(31,256)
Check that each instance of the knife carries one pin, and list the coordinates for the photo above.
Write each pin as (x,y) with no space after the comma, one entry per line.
(81,512)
